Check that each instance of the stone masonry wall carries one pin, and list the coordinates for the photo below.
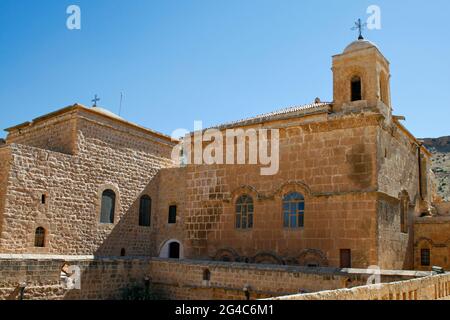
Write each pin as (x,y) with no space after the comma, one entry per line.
(395,249)
(184,279)
(432,233)
(56,134)
(398,165)
(4,169)
(101,279)
(398,174)
(332,163)
(106,278)
(171,191)
(435,287)
(110,156)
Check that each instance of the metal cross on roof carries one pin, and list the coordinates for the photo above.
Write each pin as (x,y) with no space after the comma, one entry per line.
(359,26)
(95,100)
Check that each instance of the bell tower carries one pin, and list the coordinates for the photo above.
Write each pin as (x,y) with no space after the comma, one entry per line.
(361,78)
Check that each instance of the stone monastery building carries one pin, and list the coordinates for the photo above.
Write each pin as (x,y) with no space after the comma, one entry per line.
(354,186)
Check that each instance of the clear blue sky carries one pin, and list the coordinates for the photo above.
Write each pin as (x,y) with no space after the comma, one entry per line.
(214,60)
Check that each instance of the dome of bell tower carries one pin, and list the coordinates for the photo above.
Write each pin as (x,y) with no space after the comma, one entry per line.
(360,44)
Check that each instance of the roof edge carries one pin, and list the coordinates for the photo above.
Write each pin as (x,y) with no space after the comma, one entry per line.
(282,114)
(78,106)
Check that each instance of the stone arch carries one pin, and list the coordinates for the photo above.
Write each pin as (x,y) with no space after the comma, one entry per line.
(424,241)
(313,257)
(293,186)
(267,258)
(167,246)
(246,189)
(227,255)
(350,74)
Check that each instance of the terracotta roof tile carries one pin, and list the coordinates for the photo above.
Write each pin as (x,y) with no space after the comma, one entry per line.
(280,114)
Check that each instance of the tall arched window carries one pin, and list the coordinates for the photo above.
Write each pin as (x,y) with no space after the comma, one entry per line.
(356,88)
(108,206)
(39,237)
(244,212)
(145,211)
(294,210)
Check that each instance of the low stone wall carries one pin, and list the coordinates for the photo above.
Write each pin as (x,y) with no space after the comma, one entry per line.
(433,287)
(101,278)
(106,278)
(184,279)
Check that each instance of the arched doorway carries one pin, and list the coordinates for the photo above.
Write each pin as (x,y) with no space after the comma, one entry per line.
(171,249)
(174,250)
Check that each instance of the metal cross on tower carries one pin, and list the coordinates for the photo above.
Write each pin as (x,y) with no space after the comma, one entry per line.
(359,26)
(95,100)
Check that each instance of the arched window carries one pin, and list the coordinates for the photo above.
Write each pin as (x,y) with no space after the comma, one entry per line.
(425,257)
(244,212)
(145,211)
(356,88)
(294,210)
(108,206)
(122,252)
(206,275)
(39,237)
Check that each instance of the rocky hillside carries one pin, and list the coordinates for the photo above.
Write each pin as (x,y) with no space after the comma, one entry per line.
(441,163)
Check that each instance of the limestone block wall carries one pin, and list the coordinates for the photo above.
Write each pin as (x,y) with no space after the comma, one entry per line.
(106,278)
(432,233)
(395,248)
(58,134)
(172,189)
(110,155)
(398,165)
(5,156)
(101,279)
(332,163)
(398,174)
(184,279)
(435,287)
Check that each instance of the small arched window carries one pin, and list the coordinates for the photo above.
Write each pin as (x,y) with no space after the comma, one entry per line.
(294,210)
(108,206)
(145,211)
(356,88)
(206,275)
(122,252)
(425,257)
(39,237)
(244,212)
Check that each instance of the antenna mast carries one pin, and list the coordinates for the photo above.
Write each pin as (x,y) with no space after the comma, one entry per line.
(120,105)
